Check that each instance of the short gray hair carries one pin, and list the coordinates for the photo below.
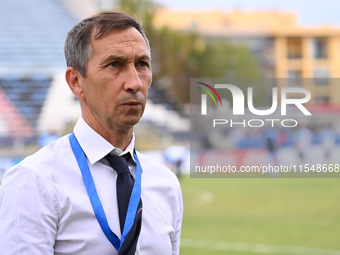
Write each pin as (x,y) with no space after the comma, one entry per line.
(78,47)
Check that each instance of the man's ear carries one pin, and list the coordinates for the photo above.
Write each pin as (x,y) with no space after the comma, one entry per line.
(74,81)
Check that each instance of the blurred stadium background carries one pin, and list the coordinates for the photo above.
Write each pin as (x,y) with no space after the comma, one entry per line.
(222,216)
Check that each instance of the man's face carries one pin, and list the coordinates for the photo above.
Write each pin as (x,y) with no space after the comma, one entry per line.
(117,80)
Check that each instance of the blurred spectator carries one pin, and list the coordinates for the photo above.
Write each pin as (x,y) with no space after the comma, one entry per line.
(175,156)
(271,136)
(303,141)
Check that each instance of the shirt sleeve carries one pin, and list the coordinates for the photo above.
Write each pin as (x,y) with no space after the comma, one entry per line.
(176,241)
(28,216)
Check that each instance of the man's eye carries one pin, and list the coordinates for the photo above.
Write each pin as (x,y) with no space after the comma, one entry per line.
(142,64)
(115,64)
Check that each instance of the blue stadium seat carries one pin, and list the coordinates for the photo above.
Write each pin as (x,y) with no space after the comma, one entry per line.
(32,35)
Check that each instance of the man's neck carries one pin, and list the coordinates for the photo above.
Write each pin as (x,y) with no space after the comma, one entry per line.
(119,140)
(118,137)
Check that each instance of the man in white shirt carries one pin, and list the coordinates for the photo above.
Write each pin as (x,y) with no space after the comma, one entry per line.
(46,204)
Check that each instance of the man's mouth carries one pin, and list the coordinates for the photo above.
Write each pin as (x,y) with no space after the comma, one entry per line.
(133,104)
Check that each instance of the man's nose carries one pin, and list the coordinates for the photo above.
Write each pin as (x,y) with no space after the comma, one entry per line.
(133,81)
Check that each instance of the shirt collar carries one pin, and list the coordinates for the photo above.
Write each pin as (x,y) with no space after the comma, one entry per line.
(94,145)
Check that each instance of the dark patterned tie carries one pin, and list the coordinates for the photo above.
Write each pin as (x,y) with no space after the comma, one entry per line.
(124,185)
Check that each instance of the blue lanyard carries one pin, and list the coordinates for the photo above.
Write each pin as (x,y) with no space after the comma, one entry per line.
(95,201)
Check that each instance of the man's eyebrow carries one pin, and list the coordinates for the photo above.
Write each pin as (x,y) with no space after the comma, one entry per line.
(124,59)
(144,57)
(114,58)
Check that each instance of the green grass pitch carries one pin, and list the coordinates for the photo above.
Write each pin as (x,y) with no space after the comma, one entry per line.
(260,216)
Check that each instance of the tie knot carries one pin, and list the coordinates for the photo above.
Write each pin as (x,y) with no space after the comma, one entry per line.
(119,163)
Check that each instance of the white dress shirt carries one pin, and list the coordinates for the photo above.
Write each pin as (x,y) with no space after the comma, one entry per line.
(45,209)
